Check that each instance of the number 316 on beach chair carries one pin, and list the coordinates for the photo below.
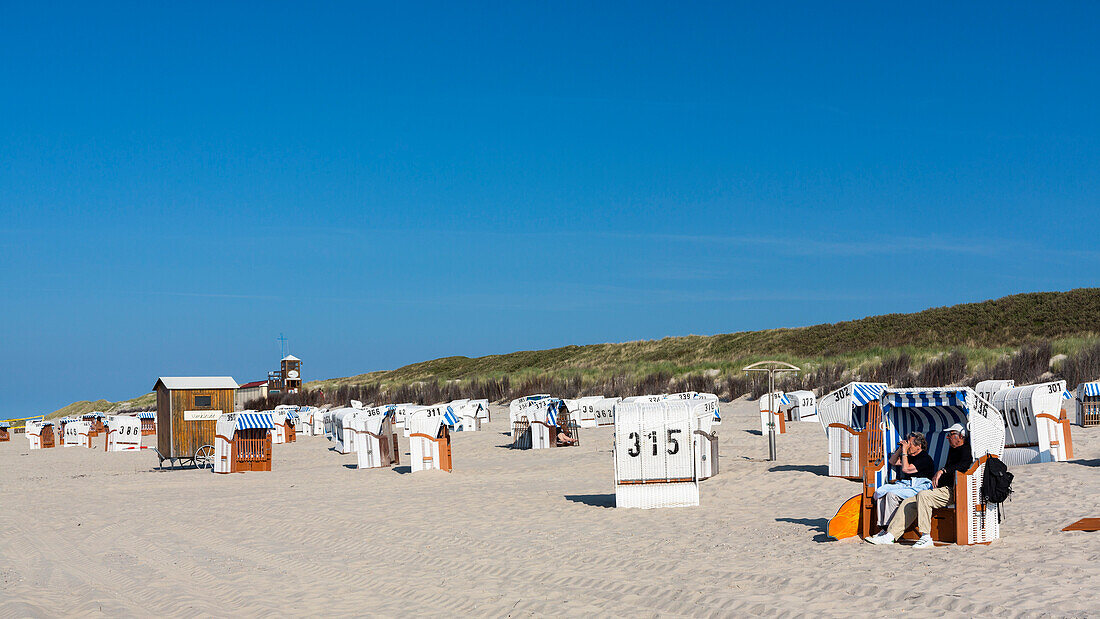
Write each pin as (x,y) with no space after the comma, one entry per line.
(657,460)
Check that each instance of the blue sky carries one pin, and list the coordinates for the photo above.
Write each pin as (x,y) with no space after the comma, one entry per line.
(179,183)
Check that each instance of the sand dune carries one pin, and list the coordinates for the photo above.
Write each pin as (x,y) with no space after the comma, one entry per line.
(512,533)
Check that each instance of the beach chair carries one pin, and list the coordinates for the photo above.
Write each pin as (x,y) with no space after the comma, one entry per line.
(375,440)
(343,434)
(778,416)
(278,417)
(1035,430)
(5,435)
(1088,404)
(518,407)
(803,406)
(655,453)
(77,434)
(521,433)
(429,440)
(844,415)
(242,442)
(969,519)
(123,433)
(39,434)
(148,422)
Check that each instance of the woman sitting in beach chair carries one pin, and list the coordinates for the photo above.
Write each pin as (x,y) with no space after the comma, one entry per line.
(915,469)
(566,435)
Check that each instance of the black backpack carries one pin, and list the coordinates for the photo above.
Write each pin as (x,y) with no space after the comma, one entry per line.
(996,482)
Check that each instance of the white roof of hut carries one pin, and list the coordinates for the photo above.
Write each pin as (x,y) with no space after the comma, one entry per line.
(196,382)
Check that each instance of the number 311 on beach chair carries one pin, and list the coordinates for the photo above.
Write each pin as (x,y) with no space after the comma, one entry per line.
(656,455)
(968,519)
(429,440)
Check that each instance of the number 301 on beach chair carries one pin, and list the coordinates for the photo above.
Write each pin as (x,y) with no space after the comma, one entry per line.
(655,452)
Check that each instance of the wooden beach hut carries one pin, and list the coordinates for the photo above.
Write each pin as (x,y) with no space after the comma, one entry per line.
(429,440)
(148,422)
(1088,404)
(243,442)
(123,433)
(188,408)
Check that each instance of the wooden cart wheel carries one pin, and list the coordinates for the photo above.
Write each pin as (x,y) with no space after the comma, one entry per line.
(204,457)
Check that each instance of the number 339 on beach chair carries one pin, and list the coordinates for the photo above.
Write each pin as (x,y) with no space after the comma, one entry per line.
(968,519)
(654,453)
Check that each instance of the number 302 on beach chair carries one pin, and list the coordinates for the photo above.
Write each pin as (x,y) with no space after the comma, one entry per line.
(969,519)
(655,453)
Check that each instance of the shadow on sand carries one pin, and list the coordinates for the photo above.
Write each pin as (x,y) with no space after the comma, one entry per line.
(594,500)
(820,525)
(816,469)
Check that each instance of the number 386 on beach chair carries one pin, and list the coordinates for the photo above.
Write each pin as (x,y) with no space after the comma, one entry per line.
(969,519)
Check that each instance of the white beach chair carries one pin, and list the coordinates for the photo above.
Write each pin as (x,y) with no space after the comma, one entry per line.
(1034,430)
(375,441)
(843,415)
(429,440)
(655,453)
(76,433)
(776,416)
(123,433)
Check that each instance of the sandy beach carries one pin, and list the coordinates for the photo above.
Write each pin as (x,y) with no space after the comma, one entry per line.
(516,533)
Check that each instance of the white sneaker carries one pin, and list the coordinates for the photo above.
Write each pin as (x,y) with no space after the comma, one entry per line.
(882,537)
(925,542)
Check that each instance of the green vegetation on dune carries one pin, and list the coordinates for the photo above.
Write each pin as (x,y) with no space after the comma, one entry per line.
(944,343)
(984,331)
(104,406)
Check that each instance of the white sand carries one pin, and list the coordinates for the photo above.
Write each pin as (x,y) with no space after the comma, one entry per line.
(513,533)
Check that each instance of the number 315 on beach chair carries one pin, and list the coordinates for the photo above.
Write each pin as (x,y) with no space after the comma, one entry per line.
(661,451)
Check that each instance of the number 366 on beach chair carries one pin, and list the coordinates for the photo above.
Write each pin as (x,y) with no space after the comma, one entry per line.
(375,440)
(969,519)
(429,440)
(658,459)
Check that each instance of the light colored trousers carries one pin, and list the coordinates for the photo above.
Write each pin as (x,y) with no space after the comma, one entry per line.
(919,508)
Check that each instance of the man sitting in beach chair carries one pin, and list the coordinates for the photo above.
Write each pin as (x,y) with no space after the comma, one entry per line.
(919,507)
(915,469)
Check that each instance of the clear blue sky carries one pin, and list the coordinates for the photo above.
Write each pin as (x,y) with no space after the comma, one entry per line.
(181,182)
